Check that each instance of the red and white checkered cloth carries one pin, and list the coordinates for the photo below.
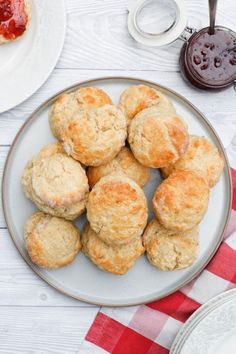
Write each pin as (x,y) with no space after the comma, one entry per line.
(151,328)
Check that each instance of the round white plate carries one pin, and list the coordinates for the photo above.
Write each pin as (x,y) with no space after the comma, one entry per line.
(82,279)
(25,64)
(211,329)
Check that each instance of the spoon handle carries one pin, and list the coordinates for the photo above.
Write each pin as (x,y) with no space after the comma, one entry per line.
(212,13)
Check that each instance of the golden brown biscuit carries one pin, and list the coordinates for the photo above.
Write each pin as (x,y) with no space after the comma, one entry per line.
(201,157)
(116,260)
(14,20)
(124,162)
(181,201)
(157,140)
(50,241)
(56,183)
(169,250)
(95,137)
(66,105)
(117,209)
(136,98)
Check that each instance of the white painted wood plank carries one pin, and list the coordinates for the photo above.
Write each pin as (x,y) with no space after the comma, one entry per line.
(43,330)
(97,36)
(219,107)
(19,285)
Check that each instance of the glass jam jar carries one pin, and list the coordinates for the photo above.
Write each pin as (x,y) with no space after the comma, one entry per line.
(207,60)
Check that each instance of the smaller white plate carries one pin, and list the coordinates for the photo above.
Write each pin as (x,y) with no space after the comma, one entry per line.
(211,329)
(25,64)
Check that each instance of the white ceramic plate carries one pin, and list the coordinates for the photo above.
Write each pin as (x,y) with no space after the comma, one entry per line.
(25,64)
(211,329)
(82,279)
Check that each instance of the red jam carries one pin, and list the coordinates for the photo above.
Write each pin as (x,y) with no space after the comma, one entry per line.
(13,18)
(210,59)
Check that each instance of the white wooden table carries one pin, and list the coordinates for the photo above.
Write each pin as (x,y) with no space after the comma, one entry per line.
(35,318)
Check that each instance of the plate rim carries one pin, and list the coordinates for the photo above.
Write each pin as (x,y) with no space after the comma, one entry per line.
(86,83)
(51,66)
(198,316)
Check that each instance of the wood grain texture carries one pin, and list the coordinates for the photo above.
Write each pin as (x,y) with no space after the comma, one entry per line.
(97,36)
(27,330)
(34,318)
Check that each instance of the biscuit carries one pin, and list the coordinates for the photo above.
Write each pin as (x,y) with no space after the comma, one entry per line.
(181,201)
(50,241)
(117,209)
(23,10)
(124,162)
(157,140)
(136,98)
(116,260)
(201,157)
(66,105)
(95,137)
(56,183)
(168,250)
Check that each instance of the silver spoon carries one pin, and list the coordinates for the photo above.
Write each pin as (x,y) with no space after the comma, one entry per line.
(212,14)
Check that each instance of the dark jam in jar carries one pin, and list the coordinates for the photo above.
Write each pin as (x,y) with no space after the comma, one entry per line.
(209,60)
(13,18)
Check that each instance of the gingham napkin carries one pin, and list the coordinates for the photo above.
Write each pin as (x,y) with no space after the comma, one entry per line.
(151,328)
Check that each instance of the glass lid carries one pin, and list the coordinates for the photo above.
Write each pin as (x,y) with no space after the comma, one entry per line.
(156,22)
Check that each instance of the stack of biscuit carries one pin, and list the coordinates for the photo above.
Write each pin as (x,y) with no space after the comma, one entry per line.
(94,168)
